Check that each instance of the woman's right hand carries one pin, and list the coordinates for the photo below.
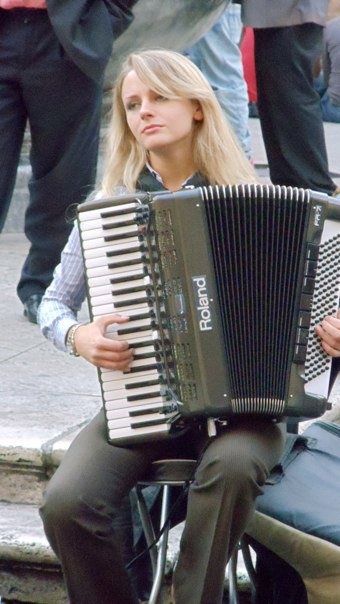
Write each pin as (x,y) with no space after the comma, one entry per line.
(93,345)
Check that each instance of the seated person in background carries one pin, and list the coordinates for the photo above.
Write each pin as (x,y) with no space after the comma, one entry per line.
(327,82)
(167,131)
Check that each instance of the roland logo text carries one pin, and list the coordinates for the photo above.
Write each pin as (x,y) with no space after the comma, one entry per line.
(202,303)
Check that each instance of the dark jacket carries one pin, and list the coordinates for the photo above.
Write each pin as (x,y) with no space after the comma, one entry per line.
(87,29)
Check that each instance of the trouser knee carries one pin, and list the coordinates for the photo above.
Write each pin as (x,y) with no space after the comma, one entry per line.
(58,509)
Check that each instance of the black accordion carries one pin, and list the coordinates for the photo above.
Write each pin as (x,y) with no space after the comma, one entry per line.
(224,286)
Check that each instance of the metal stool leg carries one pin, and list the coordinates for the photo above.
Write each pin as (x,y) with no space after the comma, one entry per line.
(248,562)
(232,576)
(147,525)
(157,552)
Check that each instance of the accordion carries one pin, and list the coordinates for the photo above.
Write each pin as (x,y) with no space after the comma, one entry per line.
(224,286)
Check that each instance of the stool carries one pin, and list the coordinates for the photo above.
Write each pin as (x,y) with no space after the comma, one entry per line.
(167,473)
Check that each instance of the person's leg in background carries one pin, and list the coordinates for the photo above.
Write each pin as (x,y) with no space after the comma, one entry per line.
(63,108)
(330,112)
(218,56)
(289,106)
(12,111)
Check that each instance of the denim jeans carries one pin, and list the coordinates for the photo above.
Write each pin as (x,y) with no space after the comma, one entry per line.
(218,56)
(330,112)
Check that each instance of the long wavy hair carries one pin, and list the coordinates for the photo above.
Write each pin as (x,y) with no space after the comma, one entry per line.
(217,154)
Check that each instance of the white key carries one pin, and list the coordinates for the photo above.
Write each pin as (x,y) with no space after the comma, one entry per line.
(123,286)
(124,412)
(137,434)
(129,310)
(102,248)
(109,309)
(106,278)
(127,393)
(120,377)
(123,422)
(101,213)
(104,270)
(110,394)
(140,388)
(111,404)
(116,403)
(111,297)
(124,246)
(99,233)
(127,259)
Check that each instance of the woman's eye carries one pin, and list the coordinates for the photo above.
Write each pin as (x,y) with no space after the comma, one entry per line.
(160,97)
(132,105)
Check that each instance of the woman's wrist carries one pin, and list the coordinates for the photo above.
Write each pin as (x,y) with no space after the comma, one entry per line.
(70,339)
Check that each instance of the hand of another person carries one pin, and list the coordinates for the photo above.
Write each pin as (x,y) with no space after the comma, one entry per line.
(92,344)
(329,332)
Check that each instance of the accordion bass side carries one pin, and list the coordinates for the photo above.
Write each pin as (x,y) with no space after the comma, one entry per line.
(224,287)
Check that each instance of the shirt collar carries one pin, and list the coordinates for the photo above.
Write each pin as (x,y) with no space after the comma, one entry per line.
(158,177)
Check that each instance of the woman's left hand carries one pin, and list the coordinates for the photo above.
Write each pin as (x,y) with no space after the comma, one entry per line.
(329,332)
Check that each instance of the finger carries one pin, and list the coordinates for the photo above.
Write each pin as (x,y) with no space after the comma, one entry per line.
(117,353)
(110,319)
(331,325)
(113,345)
(329,342)
(333,352)
(112,360)
(113,366)
(333,320)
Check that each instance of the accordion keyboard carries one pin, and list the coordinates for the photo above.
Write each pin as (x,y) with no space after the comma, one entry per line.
(135,402)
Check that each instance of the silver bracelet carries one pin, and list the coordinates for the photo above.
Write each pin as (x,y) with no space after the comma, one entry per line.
(70,343)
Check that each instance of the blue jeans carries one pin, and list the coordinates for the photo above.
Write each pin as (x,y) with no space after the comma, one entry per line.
(330,112)
(219,58)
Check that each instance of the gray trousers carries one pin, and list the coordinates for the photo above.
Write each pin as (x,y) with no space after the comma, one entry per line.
(84,498)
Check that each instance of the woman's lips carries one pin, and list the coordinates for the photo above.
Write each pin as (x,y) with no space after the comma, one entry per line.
(151,128)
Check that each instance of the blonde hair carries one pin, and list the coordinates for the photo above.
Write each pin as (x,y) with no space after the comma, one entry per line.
(217,154)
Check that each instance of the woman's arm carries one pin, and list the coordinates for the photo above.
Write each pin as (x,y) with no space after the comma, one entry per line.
(59,308)
(65,295)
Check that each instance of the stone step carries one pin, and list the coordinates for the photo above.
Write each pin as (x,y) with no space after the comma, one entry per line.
(29,570)
(25,470)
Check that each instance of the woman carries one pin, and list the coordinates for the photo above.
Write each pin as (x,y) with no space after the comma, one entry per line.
(166,131)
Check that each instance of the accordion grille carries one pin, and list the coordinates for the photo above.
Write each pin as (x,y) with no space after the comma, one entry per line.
(257,242)
(325,302)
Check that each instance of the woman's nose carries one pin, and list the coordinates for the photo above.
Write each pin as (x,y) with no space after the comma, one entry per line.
(145,109)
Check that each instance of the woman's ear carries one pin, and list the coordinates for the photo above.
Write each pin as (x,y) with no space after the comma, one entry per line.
(198,114)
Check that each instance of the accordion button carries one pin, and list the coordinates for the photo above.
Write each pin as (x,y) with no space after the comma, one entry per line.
(308,285)
(311,268)
(312,251)
(302,336)
(304,319)
(306,302)
(300,353)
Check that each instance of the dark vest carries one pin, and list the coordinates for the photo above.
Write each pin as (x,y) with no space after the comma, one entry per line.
(148,182)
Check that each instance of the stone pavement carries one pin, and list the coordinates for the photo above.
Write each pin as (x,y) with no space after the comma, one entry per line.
(45,398)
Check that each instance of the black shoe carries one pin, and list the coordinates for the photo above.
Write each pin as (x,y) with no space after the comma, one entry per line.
(31,306)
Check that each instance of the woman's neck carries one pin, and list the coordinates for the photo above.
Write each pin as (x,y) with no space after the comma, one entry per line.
(174,169)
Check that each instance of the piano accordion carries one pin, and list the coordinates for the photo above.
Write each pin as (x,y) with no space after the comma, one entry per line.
(224,286)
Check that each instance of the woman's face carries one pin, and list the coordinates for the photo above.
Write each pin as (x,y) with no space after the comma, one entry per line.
(156,122)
